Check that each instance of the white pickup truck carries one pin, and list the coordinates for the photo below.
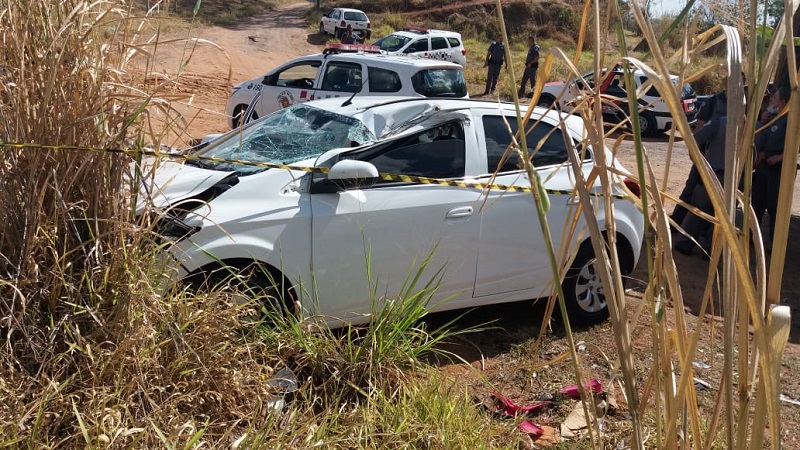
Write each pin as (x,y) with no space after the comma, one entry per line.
(654,117)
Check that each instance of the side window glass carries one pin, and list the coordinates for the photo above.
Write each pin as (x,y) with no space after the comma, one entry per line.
(439,152)
(454,43)
(438,43)
(420,45)
(498,139)
(652,92)
(383,80)
(342,77)
(335,14)
(299,75)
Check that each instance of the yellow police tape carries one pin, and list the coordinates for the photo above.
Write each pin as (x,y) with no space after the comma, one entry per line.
(381,175)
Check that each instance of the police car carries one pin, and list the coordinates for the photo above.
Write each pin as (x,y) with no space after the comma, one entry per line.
(654,116)
(425,43)
(345,70)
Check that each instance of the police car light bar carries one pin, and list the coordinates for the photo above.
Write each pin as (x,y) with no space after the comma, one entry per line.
(415,29)
(351,48)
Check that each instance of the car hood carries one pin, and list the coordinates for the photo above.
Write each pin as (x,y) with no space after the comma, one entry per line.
(169,183)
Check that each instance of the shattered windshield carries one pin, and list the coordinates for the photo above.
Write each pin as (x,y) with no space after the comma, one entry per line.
(285,137)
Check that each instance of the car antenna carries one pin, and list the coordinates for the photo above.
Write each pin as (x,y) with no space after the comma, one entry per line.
(349,101)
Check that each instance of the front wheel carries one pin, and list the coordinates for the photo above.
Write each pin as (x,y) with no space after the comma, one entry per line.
(251,284)
(322,29)
(584,294)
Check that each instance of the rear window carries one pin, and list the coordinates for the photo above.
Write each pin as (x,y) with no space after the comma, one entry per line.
(355,15)
(440,83)
(454,42)
(392,42)
(382,80)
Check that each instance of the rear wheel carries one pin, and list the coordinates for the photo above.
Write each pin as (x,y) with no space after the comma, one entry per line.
(583,289)
(545,101)
(647,124)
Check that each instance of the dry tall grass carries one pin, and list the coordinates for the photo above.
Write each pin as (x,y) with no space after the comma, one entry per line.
(754,334)
(96,353)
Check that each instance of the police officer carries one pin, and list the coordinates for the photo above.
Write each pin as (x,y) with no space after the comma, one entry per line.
(769,145)
(531,66)
(495,57)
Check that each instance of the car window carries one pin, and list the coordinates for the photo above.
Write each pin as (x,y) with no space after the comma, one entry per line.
(301,75)
(383,80)
(652,92)
(454,43)
(420,45)
(439,152)
(342,77)
(355,15)
(438,43)
(392,42)
(496,133)
(440,83)
(334,14)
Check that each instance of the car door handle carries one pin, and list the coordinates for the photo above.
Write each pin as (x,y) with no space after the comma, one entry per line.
(574,200)
(464,211)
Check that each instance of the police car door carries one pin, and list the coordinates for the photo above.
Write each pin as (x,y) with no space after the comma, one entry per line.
(293,83)
(341,79)
(440,50)
(419,48)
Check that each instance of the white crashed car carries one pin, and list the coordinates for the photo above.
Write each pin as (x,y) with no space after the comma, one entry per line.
(311,232)
(425,43)
(344,71)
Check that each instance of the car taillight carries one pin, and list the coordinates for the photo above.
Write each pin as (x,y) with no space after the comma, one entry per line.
(688,105)
(633,187)
(464,52)
(368,26)
(343,24)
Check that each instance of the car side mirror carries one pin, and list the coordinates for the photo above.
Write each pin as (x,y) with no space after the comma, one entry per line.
(347,174)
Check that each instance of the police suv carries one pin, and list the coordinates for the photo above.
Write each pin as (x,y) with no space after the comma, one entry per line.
(345,70)
(425,43)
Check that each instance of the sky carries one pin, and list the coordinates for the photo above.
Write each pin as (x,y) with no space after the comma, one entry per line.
(668,6)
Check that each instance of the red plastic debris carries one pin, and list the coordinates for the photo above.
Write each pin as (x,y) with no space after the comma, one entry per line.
(531,428)
(573,392)
(504,405)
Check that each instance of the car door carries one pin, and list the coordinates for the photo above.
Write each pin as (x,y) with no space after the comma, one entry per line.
(331,20)
(512,255)
(440,50)
(340,79)
(419,47)
(373,239)
(290,84)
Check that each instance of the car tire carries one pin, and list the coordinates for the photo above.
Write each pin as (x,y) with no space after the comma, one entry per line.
(248,282)
(545,101)
(583,289)
(647,124)
(322,29)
